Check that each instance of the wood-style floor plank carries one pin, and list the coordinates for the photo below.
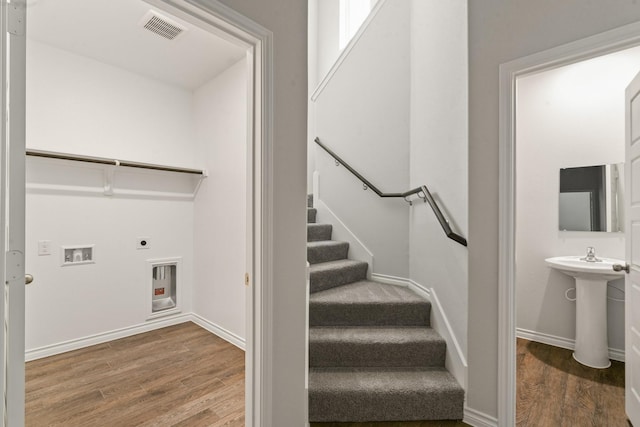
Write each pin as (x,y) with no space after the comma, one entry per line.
(176,376)
(185,376)
(555,390)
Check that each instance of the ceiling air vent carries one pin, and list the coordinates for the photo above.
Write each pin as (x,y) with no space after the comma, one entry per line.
(162,26)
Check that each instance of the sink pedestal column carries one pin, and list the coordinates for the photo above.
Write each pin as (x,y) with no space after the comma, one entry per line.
(592,348)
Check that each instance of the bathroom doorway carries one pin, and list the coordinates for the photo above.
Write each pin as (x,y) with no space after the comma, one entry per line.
(533,298)
(570,135)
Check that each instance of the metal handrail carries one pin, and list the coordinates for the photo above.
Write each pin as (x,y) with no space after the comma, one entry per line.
(422,192)
(112,162)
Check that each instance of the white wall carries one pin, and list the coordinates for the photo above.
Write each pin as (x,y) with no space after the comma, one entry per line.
(363,115)
(75,302)
(220,118)
(566,117)
(288,21)
(501,31)
(81,106)
(328,31)
(438,153)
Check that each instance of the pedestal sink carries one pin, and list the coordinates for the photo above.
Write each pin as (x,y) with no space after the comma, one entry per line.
(591,278)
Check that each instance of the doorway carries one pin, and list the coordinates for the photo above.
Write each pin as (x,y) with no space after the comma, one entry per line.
(573,53)
(252,37)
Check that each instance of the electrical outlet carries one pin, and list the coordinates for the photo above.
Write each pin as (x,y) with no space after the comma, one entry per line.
(44,247)
(143,243)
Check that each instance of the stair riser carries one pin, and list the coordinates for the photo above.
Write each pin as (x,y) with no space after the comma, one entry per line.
(318,232)
(318,254)
(311,215)
(363,407)
(345,354)
(369,314)
(327,279)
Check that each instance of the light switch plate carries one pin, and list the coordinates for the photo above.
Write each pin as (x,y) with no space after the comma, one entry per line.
(44,247)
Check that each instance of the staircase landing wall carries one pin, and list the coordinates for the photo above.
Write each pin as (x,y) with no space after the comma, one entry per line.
(363,115)
(439,153)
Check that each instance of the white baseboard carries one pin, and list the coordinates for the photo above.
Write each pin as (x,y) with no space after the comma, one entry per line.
(478,419)
(75,344)
(614,353)
(219,331)
(455,362)
(391,280)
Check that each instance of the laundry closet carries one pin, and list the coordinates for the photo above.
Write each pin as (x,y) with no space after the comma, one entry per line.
(136,175)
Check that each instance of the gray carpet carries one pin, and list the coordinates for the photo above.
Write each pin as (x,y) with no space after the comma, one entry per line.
(372,353)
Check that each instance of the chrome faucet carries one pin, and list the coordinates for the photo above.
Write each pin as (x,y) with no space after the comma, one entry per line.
(591,255)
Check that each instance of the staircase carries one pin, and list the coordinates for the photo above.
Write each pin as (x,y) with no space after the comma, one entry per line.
(372,353)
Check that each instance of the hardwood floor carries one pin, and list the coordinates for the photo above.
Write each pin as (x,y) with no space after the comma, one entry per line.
(176,376)
(396,424)
(185,376)
(555,390)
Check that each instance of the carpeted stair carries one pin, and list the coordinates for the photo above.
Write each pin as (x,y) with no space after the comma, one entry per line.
(372,353)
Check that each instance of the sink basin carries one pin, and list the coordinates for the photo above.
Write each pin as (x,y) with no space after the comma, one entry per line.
(591,348)
(576,268)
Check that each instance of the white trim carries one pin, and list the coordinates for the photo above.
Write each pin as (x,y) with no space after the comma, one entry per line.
(259,351)
(562,342)
(394,280)
(340,232)
(478,419)
(151,325)
(590,47)
(218,330)
(347,50)
(455,361)
(78,343)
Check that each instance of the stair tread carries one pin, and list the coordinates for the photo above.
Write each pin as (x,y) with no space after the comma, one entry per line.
(319,225)
(381,380)
(321,243)
(374,335)
(326,250)
(334,265)
(367,291)
(349,346)
(311,215)
(383,394)
(316,231)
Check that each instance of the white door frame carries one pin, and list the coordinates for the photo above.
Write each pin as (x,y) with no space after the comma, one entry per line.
(228,23)
(590,47)
(237,28)
(12,204)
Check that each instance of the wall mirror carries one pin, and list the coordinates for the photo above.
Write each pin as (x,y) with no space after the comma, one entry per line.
(592,198)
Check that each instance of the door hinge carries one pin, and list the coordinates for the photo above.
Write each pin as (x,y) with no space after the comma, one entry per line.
(17,12)
(246,279)
(14,261)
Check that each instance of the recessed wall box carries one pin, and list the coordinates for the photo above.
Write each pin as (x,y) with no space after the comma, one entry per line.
(164,292)
(80,254)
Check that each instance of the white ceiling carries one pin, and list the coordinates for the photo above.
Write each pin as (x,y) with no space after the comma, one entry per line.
(110,31)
